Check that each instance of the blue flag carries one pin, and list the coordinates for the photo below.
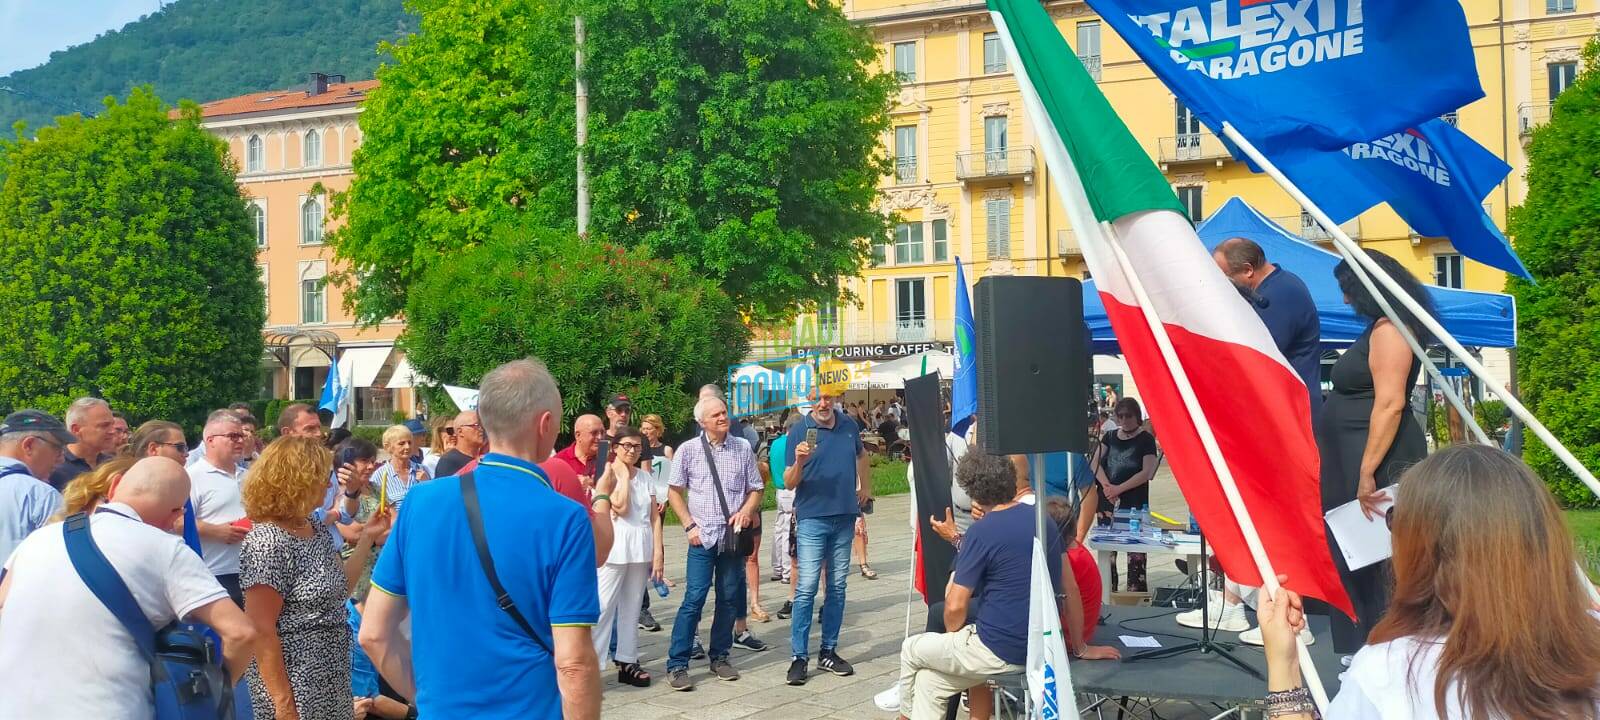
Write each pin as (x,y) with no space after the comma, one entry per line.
(1305,73)
(964,392)
(1433,175)
(332,390)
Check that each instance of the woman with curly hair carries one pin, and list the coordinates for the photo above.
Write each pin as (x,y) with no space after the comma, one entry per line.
(295,586)
(87,491)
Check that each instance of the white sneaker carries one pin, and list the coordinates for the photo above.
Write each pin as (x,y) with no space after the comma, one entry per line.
(1253,637)
(1223,616)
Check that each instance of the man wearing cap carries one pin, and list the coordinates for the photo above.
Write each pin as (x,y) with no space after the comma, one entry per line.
(619,412)
(31,444)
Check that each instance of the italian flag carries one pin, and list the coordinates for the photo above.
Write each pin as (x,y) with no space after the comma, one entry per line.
(1226,407)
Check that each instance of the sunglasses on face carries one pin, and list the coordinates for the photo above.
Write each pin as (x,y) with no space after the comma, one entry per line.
(181,447)
(468,425)
(450,431)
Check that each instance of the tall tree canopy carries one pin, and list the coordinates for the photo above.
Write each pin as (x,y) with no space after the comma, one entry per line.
(1557,233)
(127,267)
(741,139)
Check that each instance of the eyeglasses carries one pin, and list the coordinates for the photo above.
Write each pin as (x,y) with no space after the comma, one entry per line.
(181,447)
(469,425)
(234,436)
(635,447)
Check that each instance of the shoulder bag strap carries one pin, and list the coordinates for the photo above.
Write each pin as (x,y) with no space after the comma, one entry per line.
(716,481)
(106,584)
(18,469)
(469,498)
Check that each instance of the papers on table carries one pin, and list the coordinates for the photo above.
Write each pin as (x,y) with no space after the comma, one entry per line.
(1362,541)
(1135,641)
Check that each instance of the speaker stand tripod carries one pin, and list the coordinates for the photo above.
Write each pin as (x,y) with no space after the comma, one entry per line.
(1207,644)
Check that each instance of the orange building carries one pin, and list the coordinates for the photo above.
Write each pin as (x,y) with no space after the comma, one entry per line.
(292,148)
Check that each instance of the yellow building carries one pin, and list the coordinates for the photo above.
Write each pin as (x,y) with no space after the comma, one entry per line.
(969,183)
(292,148)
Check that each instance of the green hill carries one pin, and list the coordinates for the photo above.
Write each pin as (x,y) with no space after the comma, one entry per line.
(208,49)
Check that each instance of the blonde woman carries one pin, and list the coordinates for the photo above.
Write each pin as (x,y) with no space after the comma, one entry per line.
(441,438)
(295,586)
(88,490)
(400,474)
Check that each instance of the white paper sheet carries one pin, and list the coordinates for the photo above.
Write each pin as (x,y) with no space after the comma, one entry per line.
(1135,641)
(1362,541)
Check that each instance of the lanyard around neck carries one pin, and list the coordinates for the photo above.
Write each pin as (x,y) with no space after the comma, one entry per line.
(537,472)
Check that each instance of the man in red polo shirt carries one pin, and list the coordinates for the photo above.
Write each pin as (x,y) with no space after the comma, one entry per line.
(582,454)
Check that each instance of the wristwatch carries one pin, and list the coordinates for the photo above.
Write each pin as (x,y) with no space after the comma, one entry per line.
(690,526)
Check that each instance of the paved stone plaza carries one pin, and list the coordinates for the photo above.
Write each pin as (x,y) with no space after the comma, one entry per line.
(875,624)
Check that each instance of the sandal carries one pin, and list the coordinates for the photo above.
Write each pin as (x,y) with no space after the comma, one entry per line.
(868,573)
(757,614)
(632,674)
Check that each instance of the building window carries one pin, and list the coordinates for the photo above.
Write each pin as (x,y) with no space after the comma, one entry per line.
(1561,76)
(1186,127)
(828,320)
(1189,197)
(905,61)
(999,227)
(254,154)
(908,243)
(1447,270)
(1089,47)
(994,145)
(880,251)
(941,240)
(994,54)
(911,310)
(258,221)
(313,301)
(1560,6)
(312,149)
(311,221)
(905,154)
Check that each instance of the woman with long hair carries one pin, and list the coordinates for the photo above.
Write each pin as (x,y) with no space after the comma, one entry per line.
(1367,434)
(441,437)
(1490,618)
(634,557)
(295,586)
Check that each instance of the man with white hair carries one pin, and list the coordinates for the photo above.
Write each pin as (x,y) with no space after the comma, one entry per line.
(31,443)
(53,629)
(89,419)
(218,505)
(475,651)
(695,486)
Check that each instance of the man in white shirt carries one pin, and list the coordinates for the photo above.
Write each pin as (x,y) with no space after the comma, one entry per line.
(66,654)
(218,505)
(32,442)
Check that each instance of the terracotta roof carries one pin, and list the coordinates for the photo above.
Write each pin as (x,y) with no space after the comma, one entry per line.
(292,99)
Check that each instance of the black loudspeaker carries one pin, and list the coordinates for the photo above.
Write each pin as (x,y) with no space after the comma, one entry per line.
(1033,365)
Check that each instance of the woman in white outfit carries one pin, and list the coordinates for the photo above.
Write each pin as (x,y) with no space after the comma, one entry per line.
(633,557)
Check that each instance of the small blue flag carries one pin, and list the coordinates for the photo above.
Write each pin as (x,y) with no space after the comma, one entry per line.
(1434,176)
(964,392)
(332,390)
(1305,73)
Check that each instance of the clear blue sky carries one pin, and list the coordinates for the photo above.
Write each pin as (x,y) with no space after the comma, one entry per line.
(32,29)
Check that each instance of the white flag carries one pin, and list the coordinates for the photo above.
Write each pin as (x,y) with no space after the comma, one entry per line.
(1049,679)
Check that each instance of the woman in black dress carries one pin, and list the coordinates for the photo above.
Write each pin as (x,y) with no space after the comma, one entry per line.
(1124,464)
(1367,434)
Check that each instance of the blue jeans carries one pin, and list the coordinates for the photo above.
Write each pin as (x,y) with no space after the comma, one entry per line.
(728,572)
(819,540)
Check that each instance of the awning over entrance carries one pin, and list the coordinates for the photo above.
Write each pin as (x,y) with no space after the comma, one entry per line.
(365,364)
(300,347)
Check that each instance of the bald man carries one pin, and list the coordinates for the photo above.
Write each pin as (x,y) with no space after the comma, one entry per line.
(583,454)
(44,604)
(470,444)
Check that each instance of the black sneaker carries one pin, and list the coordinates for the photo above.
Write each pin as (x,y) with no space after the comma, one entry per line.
(648,622)
(797,672)
(749,642)
(723,670)
(785,611)
(698,652)
(680,681)
(830,661)
(776,577)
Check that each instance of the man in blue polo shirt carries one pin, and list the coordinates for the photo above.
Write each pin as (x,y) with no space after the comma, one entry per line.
(467,656)
(831,482)
(1284,303)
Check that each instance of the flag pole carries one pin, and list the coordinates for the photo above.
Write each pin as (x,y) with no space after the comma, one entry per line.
(1353,250)
(1208,439)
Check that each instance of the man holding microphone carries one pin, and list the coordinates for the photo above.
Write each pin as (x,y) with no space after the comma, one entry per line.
(827,468)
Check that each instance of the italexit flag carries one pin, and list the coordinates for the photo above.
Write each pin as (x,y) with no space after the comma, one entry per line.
(964,391)
(1433,175)
(1134,230)
(1049,680)
(1304,73)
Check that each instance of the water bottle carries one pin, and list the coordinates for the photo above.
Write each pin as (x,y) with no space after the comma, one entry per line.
(1136,522)
(1144,515)
(661,587)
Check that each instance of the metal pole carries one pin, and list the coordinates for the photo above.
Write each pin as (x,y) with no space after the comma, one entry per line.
(583,128)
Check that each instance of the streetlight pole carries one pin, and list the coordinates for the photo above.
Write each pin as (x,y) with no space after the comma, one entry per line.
(583,129)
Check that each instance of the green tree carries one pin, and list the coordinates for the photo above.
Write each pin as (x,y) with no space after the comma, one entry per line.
(604,318)
(742,139)
(1557,233)
(127,266)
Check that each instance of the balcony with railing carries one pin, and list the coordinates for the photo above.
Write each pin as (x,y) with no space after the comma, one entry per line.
(1002,164)
(905,170)
(1092,64)
(1531,115)
(1306,227)
(1190,148)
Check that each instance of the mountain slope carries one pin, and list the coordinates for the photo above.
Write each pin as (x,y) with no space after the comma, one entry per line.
(207,49)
